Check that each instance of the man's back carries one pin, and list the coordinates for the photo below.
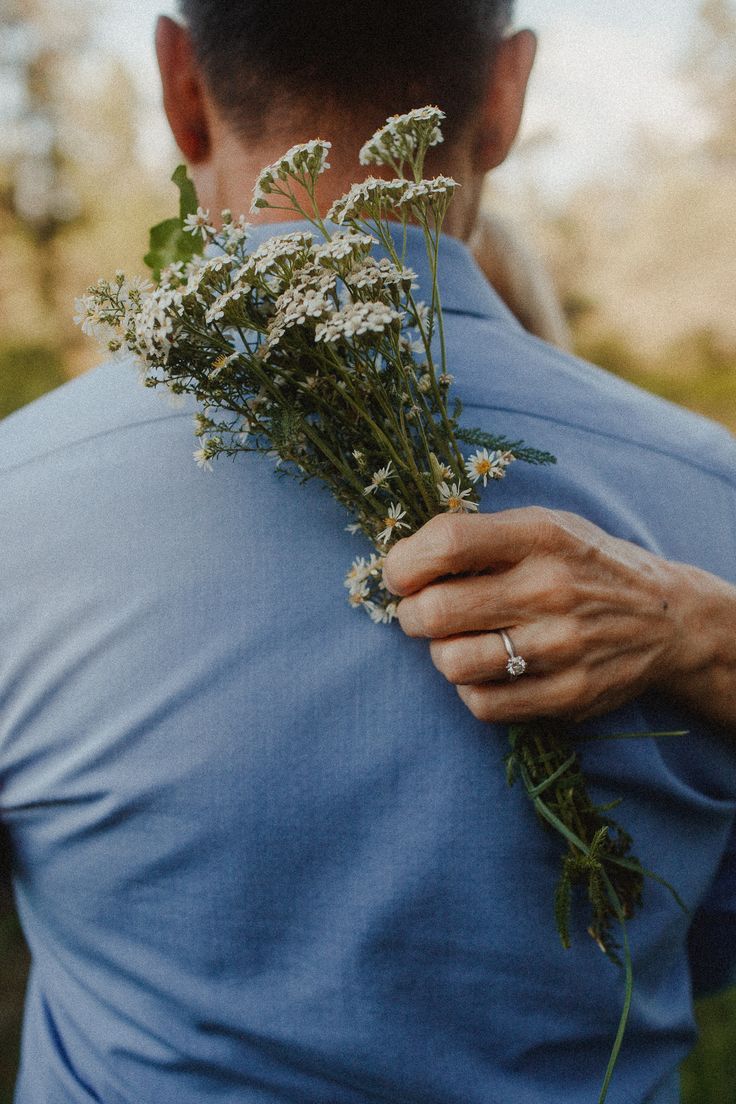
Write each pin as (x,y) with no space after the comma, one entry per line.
(262,851)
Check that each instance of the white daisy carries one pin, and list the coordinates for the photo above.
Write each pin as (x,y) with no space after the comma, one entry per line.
(361,570)
(199,223)
(392,522)
(359,595)
(454,500)
(382,615)
(487,465)
(203,459)
(380,478)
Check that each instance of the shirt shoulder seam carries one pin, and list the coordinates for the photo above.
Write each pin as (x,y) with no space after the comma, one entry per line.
(608,435)
(76,441)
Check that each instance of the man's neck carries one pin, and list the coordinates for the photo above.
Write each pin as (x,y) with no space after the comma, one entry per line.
(227,179)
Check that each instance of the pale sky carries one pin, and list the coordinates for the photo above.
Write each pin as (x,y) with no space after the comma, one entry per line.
(605,72)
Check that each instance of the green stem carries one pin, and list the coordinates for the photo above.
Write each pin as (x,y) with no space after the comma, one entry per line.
(629,983)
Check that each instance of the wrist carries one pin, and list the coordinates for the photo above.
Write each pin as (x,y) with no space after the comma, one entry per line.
(688,602)
(701,609)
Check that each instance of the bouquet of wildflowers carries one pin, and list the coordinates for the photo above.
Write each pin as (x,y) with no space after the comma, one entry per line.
(315,349)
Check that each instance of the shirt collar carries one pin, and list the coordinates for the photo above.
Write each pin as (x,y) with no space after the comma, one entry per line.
(463,287)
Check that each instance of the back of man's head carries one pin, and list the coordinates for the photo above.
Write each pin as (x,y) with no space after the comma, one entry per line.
(362,59)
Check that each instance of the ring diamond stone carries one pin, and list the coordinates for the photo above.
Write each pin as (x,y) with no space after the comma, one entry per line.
(516,665)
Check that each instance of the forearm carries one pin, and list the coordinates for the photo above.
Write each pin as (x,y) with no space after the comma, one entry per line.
(702,672)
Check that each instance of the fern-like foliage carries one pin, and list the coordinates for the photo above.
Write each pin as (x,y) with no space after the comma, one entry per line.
(481,439)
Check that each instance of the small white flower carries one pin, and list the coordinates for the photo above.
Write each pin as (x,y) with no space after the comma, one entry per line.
(380,478)
(422,313)
(203,458)
(381,615)
(359,595)
(455,500)
(221,363)
(487,465)
(217,310)
(234,231)
(392,522)
(354,528)
(218,263)
(199,223)
(362,570)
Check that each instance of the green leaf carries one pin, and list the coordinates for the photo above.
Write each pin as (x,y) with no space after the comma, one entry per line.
(188,202)
(169,242)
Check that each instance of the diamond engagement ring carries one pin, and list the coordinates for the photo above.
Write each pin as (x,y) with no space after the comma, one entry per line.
(516,666)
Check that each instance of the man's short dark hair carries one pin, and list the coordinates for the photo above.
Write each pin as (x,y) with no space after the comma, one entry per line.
(365,58)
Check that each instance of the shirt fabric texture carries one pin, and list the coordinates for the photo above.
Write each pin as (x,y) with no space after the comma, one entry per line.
(261,851)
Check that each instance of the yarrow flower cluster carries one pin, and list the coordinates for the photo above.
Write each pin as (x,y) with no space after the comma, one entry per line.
(302,162)
(404,138)
(357,320)
(373,198)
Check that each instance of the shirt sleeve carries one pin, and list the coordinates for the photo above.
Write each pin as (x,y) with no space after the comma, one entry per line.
(712,938)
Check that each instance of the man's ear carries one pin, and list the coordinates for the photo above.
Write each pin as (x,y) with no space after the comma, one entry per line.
(183,90)
(504,101)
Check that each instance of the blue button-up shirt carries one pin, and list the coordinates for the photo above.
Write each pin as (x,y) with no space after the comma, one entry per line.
(262,852)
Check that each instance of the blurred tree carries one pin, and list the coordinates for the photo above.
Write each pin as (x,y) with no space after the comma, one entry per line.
(39,41)
(646,263)
(74,198)
(711,68)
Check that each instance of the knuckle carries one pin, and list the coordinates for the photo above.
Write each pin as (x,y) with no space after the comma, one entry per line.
(407,617)
(392,572)
(569,643)
(448,659)
(444,533)
(435,607)
(546,524)
(556,589)
(427,612)
(396,575)
(571,693)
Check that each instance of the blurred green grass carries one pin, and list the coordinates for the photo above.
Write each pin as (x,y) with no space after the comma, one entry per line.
(26,373)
